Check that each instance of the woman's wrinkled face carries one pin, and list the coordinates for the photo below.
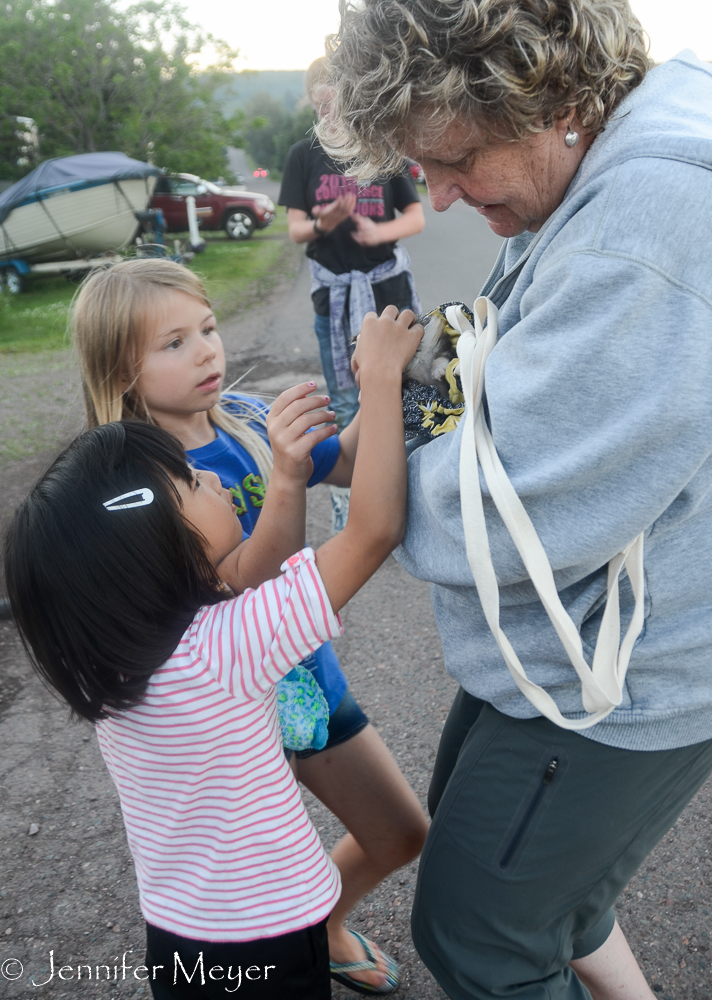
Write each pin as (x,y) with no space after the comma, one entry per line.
(516,186)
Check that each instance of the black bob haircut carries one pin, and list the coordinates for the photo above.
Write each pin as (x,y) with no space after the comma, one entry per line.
(103,597)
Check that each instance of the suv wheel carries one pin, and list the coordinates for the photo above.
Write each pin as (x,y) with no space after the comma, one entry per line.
(239,225)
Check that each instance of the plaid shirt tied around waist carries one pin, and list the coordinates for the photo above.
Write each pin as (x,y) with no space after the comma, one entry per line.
(361,301)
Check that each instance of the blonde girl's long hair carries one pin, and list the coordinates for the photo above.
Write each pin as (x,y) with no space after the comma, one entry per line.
(109,320)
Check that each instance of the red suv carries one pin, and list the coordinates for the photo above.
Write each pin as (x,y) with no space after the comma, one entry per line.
(238,212)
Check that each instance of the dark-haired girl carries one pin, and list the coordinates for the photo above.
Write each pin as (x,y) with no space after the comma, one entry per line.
(150,350)
(110,565)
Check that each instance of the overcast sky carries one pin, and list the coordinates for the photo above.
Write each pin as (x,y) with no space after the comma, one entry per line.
(289,34)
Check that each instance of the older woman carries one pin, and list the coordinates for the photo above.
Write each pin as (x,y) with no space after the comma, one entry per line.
(542,116)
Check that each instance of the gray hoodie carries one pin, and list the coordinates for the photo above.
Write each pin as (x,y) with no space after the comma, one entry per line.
(599,398)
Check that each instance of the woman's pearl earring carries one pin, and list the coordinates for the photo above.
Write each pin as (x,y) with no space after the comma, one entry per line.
(571,138)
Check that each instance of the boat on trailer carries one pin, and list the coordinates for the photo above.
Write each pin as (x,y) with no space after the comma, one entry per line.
(73,208)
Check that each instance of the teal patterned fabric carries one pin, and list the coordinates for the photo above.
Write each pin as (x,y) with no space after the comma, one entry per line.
(303,711)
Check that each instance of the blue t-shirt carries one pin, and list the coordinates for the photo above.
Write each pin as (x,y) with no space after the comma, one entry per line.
(238,473)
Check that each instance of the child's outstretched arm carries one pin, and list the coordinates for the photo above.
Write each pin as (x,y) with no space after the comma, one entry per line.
(342,473)
(281,526)
(376,520)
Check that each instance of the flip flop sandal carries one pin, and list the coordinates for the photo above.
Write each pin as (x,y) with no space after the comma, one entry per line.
(340,971)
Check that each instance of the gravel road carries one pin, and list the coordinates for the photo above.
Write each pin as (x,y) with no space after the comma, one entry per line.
(68,890)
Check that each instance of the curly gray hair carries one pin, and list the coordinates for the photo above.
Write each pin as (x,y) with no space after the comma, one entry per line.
(412,67)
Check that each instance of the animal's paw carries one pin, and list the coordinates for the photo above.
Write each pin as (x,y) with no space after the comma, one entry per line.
(439,368)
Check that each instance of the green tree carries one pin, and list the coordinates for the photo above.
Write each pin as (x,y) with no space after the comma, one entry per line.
(94,76)
(272,129)
(301,127)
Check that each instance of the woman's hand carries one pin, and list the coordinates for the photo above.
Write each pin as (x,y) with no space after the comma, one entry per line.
(293,413)
(332,215)
(388,341)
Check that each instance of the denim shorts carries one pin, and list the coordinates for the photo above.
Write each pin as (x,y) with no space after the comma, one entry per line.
(347,721)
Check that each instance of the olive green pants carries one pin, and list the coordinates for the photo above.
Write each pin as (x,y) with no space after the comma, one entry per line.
(536,831)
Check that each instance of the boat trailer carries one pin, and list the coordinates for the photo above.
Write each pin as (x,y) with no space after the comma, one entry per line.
(15,270)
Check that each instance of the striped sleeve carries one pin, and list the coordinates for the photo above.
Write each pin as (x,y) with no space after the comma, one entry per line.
(254,640)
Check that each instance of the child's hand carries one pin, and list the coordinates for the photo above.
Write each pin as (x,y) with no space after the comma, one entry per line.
(386,343)
(367,232)
(281,528)
(332,215)
(288,421)
(376,521)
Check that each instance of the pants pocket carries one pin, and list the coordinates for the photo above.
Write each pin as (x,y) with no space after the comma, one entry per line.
(499,792)
(527,815)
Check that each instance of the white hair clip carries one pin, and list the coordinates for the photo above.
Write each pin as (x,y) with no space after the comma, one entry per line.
(146,497)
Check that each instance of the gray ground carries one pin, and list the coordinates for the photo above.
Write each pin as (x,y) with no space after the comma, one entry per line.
(69,887)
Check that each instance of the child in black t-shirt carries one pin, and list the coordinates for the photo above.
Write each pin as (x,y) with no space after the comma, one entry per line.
(347,228)
(312,181)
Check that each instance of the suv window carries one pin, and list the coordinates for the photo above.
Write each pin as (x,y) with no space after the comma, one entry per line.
(180,186)
(163,185)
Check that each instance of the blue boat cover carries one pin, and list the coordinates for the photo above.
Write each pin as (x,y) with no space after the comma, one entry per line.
(72,172)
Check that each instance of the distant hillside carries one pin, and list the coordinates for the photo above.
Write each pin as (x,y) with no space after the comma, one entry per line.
(286,86)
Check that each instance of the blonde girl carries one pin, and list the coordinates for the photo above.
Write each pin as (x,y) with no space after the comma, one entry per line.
(150,351)
(119,545)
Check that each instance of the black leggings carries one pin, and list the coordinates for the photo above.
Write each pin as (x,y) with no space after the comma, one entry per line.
(292,966)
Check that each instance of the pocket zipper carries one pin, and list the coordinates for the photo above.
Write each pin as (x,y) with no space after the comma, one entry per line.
(549,773)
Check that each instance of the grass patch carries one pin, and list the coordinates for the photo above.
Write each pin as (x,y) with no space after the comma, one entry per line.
(238,273)
(36,319)
(234,272)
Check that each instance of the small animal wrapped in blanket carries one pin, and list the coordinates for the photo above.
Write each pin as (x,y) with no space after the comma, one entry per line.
(432,392)
(303,709)
(301,705)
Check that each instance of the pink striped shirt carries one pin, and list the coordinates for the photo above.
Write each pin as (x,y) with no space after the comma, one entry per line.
(222,844)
